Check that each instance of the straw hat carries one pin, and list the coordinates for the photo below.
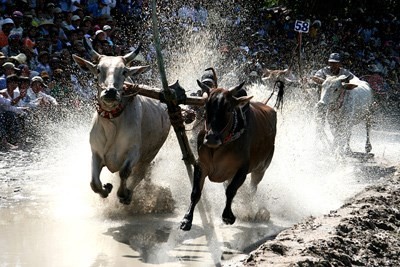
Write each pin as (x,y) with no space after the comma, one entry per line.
(21,58)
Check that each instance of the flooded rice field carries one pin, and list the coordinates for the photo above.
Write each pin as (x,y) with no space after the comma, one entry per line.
(49,215)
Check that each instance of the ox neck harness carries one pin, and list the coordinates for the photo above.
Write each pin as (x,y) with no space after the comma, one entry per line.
(238,126)
(109,114)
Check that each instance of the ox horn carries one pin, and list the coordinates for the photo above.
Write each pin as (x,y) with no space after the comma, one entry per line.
(88,46)
(131,56)
(236,89)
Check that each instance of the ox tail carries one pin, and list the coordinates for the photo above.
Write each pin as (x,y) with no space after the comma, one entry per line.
(279,86)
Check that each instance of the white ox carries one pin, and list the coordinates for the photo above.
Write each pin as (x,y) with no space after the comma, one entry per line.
(345,104)
(127,131)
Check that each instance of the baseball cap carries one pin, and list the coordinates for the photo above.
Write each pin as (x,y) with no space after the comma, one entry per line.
(334,57)
(106,27)
(12,77)
(17,14)
(38,79)
(98,32)
(9,65)
(75,17)
(8,21)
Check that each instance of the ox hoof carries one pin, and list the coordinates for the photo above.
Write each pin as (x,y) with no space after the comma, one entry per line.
(186,225)
(228,217)
(108,187)
(368,148)
(126,198)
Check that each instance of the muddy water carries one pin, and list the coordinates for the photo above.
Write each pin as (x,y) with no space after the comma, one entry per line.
(50,217)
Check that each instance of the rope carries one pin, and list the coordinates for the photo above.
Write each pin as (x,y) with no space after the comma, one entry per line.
(176,119)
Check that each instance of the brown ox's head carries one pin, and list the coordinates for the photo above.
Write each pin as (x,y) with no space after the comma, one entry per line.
(221,106)
(274,74)
(111,72)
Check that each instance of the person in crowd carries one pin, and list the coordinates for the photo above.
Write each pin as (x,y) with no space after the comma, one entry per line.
(17,17)
(29,37)
(8,25)
(9,124)
(24,83)
(97,9)
(24,71)
(109,32)
(334,68)
(99,41)
(18,59)
(75,22)
(36,95)
(14,46)
(43,62)
(11,91)
(8,69)
(61,88)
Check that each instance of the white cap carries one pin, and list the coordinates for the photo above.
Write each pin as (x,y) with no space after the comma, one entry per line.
(8,21)
(75,17)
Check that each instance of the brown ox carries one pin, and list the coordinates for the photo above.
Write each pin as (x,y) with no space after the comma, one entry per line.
(238,138)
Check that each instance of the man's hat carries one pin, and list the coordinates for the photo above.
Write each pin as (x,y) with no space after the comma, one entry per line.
(12,77)
(38,79)
(24,79)
(20,58)
(8,21)
(334,57)
(9,65)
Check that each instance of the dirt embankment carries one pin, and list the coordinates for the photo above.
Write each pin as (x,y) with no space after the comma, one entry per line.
(363,232)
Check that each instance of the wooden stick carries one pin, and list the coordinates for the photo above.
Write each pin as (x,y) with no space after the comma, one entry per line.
(155,93)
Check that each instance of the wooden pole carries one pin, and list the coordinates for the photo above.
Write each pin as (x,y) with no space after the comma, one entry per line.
(170,99)
(173,108)
(157,93)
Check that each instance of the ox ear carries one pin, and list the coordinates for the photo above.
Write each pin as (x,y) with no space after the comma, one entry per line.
(137,70)
(241,101)
(85,65)
(234,90)
(349,86)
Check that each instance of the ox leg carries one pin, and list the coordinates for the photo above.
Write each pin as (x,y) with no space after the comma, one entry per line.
(237,181)
(198,183)
(95,183)
(123,193)
(368,146)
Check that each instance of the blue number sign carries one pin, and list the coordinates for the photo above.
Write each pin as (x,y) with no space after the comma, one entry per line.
(301,26)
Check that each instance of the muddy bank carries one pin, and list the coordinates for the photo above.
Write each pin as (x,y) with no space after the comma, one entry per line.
(365,231)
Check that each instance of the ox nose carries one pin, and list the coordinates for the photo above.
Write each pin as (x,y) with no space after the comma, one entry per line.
(110,93)
(212,140)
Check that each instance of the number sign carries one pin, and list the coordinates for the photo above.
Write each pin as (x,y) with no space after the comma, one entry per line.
(301,26)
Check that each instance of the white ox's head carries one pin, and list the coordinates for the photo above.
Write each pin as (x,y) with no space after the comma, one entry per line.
(111,72)
(333,89)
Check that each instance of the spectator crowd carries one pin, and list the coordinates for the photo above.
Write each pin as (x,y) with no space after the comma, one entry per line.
(37,39)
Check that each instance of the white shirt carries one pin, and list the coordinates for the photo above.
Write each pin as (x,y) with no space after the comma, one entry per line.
(5,105)
(35,100)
